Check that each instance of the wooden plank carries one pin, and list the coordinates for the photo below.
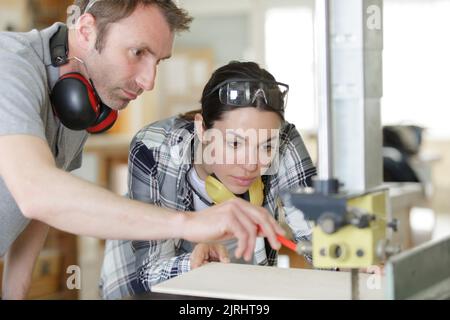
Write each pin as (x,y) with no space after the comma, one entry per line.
(240,281)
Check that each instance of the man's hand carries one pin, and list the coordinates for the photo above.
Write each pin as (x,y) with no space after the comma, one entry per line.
(235,218)
(204,253)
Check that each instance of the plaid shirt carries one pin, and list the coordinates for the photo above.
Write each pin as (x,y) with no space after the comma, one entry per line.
(157,174)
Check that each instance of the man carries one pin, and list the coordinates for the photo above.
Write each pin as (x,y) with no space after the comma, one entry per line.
(117,45)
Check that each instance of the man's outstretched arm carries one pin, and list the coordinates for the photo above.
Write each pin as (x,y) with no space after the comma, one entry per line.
(48,194)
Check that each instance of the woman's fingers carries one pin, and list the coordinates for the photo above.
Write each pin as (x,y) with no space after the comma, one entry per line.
(221,253)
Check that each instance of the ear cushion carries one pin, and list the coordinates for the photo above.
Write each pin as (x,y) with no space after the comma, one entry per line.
(219,193)
(105,120)
(256,192)
(75,102)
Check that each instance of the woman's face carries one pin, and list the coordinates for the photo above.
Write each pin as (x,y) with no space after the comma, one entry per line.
(240,147)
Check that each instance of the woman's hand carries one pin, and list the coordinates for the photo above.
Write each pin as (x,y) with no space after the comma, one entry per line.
(204,253)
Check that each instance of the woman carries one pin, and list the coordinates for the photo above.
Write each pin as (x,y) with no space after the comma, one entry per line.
(237,145)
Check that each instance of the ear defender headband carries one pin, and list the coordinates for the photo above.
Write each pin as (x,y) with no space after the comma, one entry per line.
(74,98)
(219,193)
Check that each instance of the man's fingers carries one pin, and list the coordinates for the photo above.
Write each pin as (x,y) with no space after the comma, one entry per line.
(266,223)
(235,218)
(269,228)
(250,229)
(278,229)
(240,234)
(264,220)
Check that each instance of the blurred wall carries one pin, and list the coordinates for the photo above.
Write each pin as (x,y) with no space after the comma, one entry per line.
(15,15)
(227,36)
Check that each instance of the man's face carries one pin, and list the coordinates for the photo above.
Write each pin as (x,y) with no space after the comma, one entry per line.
(131,53)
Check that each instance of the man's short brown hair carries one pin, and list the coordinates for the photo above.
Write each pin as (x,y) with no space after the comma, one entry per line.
(110,11)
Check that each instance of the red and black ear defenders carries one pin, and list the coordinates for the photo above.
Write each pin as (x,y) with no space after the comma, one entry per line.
(74,98)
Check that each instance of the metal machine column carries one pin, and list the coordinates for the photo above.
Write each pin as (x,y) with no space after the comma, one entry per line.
(349,63)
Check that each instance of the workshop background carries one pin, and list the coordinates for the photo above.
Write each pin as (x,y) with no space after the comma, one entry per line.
(278,35)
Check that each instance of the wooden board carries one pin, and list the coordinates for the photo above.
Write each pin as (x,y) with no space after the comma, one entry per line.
(240,281)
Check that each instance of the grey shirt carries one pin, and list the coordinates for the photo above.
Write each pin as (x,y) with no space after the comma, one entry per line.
(26,79)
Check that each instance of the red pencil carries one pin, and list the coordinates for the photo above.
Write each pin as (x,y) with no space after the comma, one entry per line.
(284,241)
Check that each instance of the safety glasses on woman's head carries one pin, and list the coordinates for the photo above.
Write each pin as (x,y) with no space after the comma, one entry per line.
(244,93)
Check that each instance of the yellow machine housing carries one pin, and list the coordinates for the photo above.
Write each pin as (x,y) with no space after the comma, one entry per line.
(350,246)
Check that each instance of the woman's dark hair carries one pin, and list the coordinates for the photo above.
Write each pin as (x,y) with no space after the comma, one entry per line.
(212,109)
